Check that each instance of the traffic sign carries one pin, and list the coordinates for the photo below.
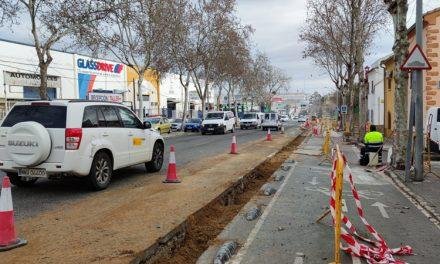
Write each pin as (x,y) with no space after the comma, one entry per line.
(344,109)
(416,60)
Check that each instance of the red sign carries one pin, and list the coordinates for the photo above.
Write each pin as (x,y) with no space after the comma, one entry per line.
(277,99)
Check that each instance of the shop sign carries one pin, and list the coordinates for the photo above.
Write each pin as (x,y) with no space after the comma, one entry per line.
(99,66)
(106,97)
(30,79)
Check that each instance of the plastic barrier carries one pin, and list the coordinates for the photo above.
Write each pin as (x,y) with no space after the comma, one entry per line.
(377,250)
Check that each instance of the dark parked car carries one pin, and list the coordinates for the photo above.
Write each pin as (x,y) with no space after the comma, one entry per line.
(194,125)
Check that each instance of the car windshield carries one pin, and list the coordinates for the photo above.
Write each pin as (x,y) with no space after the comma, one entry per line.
(195,120)
(249,116)
(214,116)
(49,116)
(270,116)
(153,120)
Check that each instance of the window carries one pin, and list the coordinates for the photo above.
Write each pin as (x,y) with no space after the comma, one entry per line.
(49,116)
(111,117)
(90,117)
(101,118)
(128,119)
(438,114)
(372,87)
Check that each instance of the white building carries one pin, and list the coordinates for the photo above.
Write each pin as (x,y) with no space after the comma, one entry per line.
(375,78)
(172,97)
(70,76)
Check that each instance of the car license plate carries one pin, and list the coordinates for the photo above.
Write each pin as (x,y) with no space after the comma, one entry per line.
(31,172)
(210,129)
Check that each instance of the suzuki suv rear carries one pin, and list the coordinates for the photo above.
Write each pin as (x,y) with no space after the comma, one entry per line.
(81,138)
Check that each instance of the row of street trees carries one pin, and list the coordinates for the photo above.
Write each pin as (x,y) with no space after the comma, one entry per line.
(202,41)
(338,35)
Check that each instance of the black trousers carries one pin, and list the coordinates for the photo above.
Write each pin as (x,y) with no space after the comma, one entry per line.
(374,148)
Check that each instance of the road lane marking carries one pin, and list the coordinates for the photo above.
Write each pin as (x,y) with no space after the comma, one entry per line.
(314,181)
(344,206)
(252,235)
(299,258)
(355,259)
(381,208)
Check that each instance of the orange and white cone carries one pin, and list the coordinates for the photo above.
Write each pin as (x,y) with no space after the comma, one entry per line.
(234,146)
(172,170)
(8,237)
(268,135)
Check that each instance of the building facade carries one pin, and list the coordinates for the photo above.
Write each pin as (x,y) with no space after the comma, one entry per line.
(376,100)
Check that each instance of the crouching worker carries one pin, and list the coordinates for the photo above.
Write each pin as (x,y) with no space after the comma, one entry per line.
(373,142)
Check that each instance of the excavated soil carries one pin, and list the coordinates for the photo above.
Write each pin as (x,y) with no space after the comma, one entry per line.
(206,224)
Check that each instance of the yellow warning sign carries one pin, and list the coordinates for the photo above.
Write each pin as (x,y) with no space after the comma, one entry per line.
(137,141)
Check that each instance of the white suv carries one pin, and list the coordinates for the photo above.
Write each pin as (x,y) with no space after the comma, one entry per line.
(42,139)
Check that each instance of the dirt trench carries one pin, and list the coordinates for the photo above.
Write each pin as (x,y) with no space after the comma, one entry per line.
(186,243)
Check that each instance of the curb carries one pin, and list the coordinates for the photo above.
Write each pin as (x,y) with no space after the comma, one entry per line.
(417,200)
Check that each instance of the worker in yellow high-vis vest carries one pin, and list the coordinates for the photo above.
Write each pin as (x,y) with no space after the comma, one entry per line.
(373,141)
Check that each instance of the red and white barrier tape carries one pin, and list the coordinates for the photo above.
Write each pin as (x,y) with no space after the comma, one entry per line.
(379,252)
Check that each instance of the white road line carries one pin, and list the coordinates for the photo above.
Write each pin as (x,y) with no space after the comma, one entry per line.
(344,206)
(382,210)
(355,259)
(314,181)
(242,252)
(299,260)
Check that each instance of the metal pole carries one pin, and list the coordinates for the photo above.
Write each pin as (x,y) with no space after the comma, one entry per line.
(418,89)
(134,96)
(410,133)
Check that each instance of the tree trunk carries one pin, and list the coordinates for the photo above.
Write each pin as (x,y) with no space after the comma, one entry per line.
(398,10)
(43,80)
(185,97)
(141,114)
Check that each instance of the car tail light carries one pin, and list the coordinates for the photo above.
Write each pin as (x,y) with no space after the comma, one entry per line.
(40,103)
(73,138)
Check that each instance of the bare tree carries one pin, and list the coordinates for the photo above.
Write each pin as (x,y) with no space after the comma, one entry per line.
(398,10)
(50,21)
(337,36)
(135,33)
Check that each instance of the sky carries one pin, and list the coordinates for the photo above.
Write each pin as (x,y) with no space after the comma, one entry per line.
(277,25)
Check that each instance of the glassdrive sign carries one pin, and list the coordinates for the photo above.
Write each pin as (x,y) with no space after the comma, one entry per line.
(30,79)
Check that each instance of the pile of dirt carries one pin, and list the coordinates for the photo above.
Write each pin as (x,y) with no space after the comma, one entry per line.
(207,223)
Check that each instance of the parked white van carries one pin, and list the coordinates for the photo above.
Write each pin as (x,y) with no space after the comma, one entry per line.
(433,127)
(251,120)
(218,122)
(271,121)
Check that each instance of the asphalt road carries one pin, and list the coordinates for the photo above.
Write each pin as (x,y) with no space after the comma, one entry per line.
(48,194)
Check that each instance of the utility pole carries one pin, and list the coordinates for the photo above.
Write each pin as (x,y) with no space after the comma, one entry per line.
(418,89)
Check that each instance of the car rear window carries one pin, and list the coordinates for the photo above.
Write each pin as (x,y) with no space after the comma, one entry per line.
(49,116)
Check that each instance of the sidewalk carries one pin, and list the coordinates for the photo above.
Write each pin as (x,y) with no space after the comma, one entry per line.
(287,233)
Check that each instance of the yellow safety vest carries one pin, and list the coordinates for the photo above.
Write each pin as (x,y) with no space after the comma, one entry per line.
(373,137)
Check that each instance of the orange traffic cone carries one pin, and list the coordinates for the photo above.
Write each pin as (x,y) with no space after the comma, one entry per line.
(8,237)
(172,170)
(268,135)
(234,146)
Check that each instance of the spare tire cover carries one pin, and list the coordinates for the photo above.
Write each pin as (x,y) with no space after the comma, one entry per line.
(28,143)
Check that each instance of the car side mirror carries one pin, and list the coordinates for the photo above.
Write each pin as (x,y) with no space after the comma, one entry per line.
(226,118)
(147,125)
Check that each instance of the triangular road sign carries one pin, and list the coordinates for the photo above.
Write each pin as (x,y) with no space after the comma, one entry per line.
(416,60)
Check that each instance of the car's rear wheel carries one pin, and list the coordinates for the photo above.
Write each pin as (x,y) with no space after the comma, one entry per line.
(101,172)
(21,181)
(155,164)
